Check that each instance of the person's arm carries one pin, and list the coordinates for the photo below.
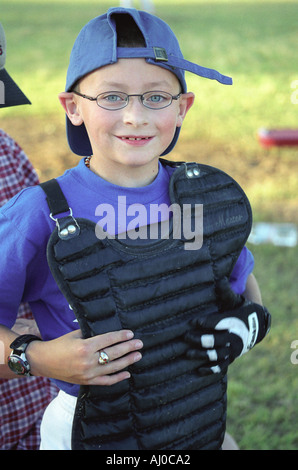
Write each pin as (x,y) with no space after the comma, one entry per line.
(252,291)
(73,359)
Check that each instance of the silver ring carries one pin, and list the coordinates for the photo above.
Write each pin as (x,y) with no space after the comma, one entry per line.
(103,358)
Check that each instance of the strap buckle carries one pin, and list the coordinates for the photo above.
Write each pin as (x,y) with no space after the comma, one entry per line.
(67,226)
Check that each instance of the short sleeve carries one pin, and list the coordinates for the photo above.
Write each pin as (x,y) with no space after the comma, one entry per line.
(242,269)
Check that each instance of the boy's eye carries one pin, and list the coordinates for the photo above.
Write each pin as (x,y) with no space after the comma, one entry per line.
(113,98)
(156,98)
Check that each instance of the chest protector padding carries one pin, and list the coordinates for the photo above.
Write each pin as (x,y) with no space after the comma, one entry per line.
(155,289)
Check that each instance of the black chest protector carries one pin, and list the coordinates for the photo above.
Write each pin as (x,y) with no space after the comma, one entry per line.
(155,289)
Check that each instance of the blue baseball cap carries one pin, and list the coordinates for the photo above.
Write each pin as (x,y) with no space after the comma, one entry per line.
(96,46)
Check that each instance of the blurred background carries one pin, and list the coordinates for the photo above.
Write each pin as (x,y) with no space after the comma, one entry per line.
(255,42)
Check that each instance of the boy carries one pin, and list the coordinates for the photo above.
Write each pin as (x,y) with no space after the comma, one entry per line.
(125,102)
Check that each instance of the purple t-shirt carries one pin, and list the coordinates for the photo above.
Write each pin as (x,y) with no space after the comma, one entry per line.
(25,227)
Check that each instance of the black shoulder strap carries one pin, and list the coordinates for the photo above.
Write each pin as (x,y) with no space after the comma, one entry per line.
(55,197)
(67,225)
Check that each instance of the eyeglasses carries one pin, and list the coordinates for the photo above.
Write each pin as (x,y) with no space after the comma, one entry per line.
(114,100)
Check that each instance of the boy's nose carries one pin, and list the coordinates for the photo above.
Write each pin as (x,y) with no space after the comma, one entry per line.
(135,113)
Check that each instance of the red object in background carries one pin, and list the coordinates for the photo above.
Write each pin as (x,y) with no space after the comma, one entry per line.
(278,137)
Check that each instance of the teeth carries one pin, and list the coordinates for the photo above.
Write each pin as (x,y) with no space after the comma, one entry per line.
(135,138)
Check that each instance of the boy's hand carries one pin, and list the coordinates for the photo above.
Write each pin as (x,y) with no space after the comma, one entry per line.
(76,360)
(220,338)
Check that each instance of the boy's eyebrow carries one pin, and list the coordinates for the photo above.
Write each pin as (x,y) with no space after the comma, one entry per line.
(148,85)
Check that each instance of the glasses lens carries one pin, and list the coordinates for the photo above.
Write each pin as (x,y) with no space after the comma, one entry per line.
(112,100)
(157,99)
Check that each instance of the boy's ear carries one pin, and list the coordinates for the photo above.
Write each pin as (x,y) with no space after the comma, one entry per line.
(70,106)
(186,102)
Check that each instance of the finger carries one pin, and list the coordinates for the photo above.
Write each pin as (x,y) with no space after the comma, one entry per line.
(209,355)
(197,354)
(209,362)
(213,368)
(108,339)
(122,349)
(207,340)
(206,323)
(204,371)
(113,371)
(107,380)
(118,365)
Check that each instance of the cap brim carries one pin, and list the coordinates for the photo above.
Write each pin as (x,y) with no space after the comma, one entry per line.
(10,93)
(78,139)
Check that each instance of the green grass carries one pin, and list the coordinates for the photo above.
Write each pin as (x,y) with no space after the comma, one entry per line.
(256,43)
(263,400)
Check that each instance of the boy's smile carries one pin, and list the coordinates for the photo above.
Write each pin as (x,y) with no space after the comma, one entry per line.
(127,142)
(137,141)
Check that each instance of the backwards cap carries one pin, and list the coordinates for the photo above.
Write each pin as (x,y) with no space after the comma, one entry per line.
(10,93)
(96,46)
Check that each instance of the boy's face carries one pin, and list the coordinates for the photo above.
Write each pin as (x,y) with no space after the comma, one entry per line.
(115,135)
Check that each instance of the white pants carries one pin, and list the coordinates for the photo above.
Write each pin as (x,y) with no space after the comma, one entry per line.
(56,424)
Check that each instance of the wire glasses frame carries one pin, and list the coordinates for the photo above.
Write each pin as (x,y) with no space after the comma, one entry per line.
(115,100)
